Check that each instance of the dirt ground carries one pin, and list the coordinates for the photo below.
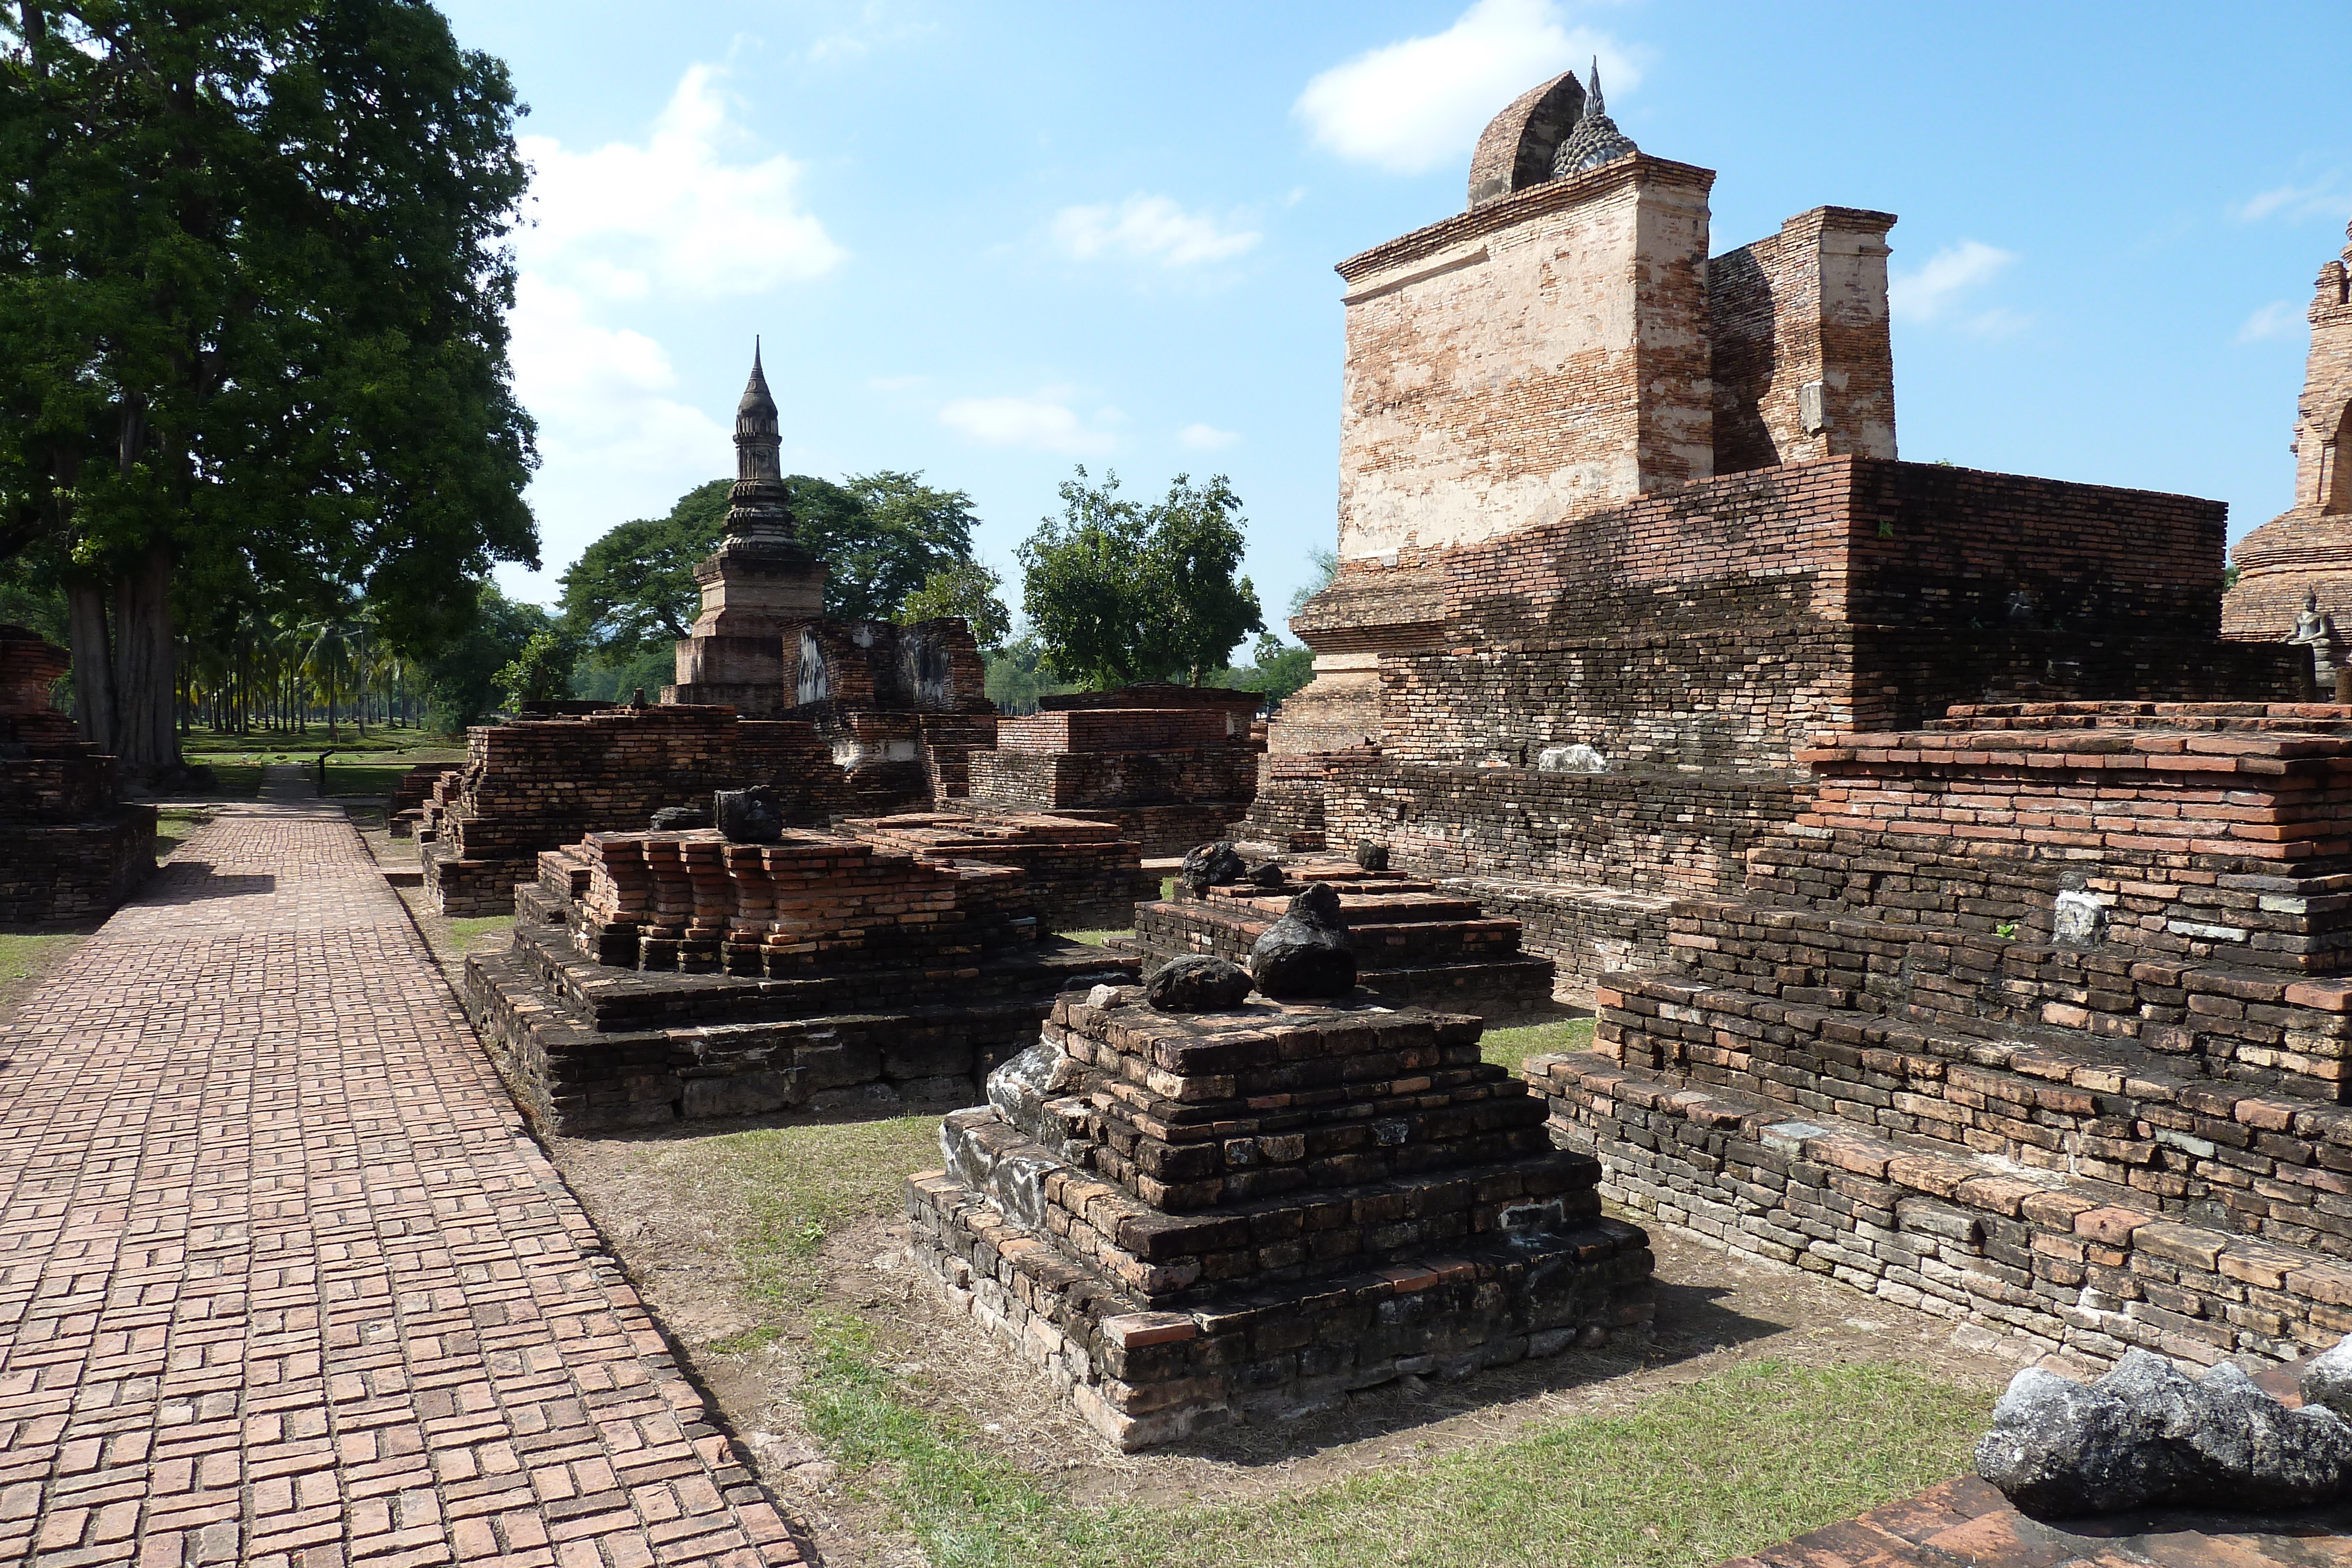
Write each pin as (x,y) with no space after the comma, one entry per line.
(676,1233)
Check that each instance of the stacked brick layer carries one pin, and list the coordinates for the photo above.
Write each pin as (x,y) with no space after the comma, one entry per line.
(2044,996)
(1246,1215)
(813,903)
(878,1020)
(1415,944)
(537,784)
(1081,875)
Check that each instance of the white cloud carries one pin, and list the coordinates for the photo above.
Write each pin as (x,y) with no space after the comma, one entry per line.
(2276,319)
(2294,202)
(1932,293)
(1148,228)
(678,212)
(1045,423)
(1414,106)
(614,441)
(1205,437)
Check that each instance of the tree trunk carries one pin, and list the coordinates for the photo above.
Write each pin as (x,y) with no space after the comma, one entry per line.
(149,744)
(93,663)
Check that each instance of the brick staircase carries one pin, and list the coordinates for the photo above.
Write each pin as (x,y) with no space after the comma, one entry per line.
(2035,1018)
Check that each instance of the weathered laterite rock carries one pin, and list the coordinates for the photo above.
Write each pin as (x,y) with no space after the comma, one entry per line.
(1211,866)
(1304,954)
(749,816)
(1372,856)
(2149,1434)
(1198,984)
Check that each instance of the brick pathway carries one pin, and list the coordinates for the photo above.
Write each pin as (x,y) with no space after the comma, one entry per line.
(281,1280)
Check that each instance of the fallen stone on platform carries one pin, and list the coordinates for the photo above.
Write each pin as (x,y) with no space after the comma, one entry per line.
(1305,955)
(1211,866)
(1198,984)
(2147,1433)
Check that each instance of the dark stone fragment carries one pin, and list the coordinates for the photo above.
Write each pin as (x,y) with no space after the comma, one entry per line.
(1212,865)
(1305,955)
(2147,1433)
(1371,856)
(679,818)
(1267,875)
(1198,984)
(749,816)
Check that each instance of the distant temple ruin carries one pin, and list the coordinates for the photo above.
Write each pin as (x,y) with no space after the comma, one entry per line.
(2306,550)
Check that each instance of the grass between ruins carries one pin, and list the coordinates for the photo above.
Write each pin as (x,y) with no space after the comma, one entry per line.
(1751,1453)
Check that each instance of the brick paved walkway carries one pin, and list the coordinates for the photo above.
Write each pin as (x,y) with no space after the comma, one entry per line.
(282,1282)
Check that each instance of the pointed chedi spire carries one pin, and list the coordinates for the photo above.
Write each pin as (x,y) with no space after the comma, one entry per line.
(759,508)
(1596,138)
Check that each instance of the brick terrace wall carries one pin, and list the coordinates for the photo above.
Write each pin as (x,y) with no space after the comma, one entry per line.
(1113,729)
(1043,781)
(1941,1234)
(535,784)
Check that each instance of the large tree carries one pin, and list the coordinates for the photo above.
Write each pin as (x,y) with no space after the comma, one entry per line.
(252,323)
(1120,591)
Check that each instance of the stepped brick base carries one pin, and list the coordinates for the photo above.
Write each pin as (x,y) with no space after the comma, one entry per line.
(75,871)
(1187,1220)
(2037,1015)
(691,1022)
(2062,1264)
(1415,945)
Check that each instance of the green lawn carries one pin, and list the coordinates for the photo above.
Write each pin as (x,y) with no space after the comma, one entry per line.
(1690,1475)
(1512,1047)
(278,745)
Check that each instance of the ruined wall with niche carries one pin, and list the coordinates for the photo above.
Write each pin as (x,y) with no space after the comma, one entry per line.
(1802,363)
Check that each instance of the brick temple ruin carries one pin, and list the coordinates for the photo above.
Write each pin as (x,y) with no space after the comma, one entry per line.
(1621,527)
(75,848)
(2307,548)
(1966,915)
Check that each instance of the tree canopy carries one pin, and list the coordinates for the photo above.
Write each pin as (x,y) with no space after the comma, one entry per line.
(881,537)
(1120,591)
(967,588)
(252,321)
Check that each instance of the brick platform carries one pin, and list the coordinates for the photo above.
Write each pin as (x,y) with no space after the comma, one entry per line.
(2037,1016)
(70,848)
(1242,1216)
(282,1281)
(656,977)
(1415,945)
(1083,875)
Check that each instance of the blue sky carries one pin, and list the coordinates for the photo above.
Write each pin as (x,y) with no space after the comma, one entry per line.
(990,242)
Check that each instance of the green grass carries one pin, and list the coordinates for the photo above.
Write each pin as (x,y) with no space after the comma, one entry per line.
(273,742)
(1511,1047)
(1727,1465)
(1095,938)
(1749,1456)
(473,930)
(22,958)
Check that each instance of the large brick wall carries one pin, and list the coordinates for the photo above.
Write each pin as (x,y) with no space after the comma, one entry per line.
(70,848)
(1470,342)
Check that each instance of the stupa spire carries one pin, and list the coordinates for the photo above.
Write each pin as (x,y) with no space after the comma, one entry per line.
(759,508)
(1596,138)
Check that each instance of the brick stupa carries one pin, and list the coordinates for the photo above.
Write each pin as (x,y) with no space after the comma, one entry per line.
(71,847)
(1190,1220)
(2307,548)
